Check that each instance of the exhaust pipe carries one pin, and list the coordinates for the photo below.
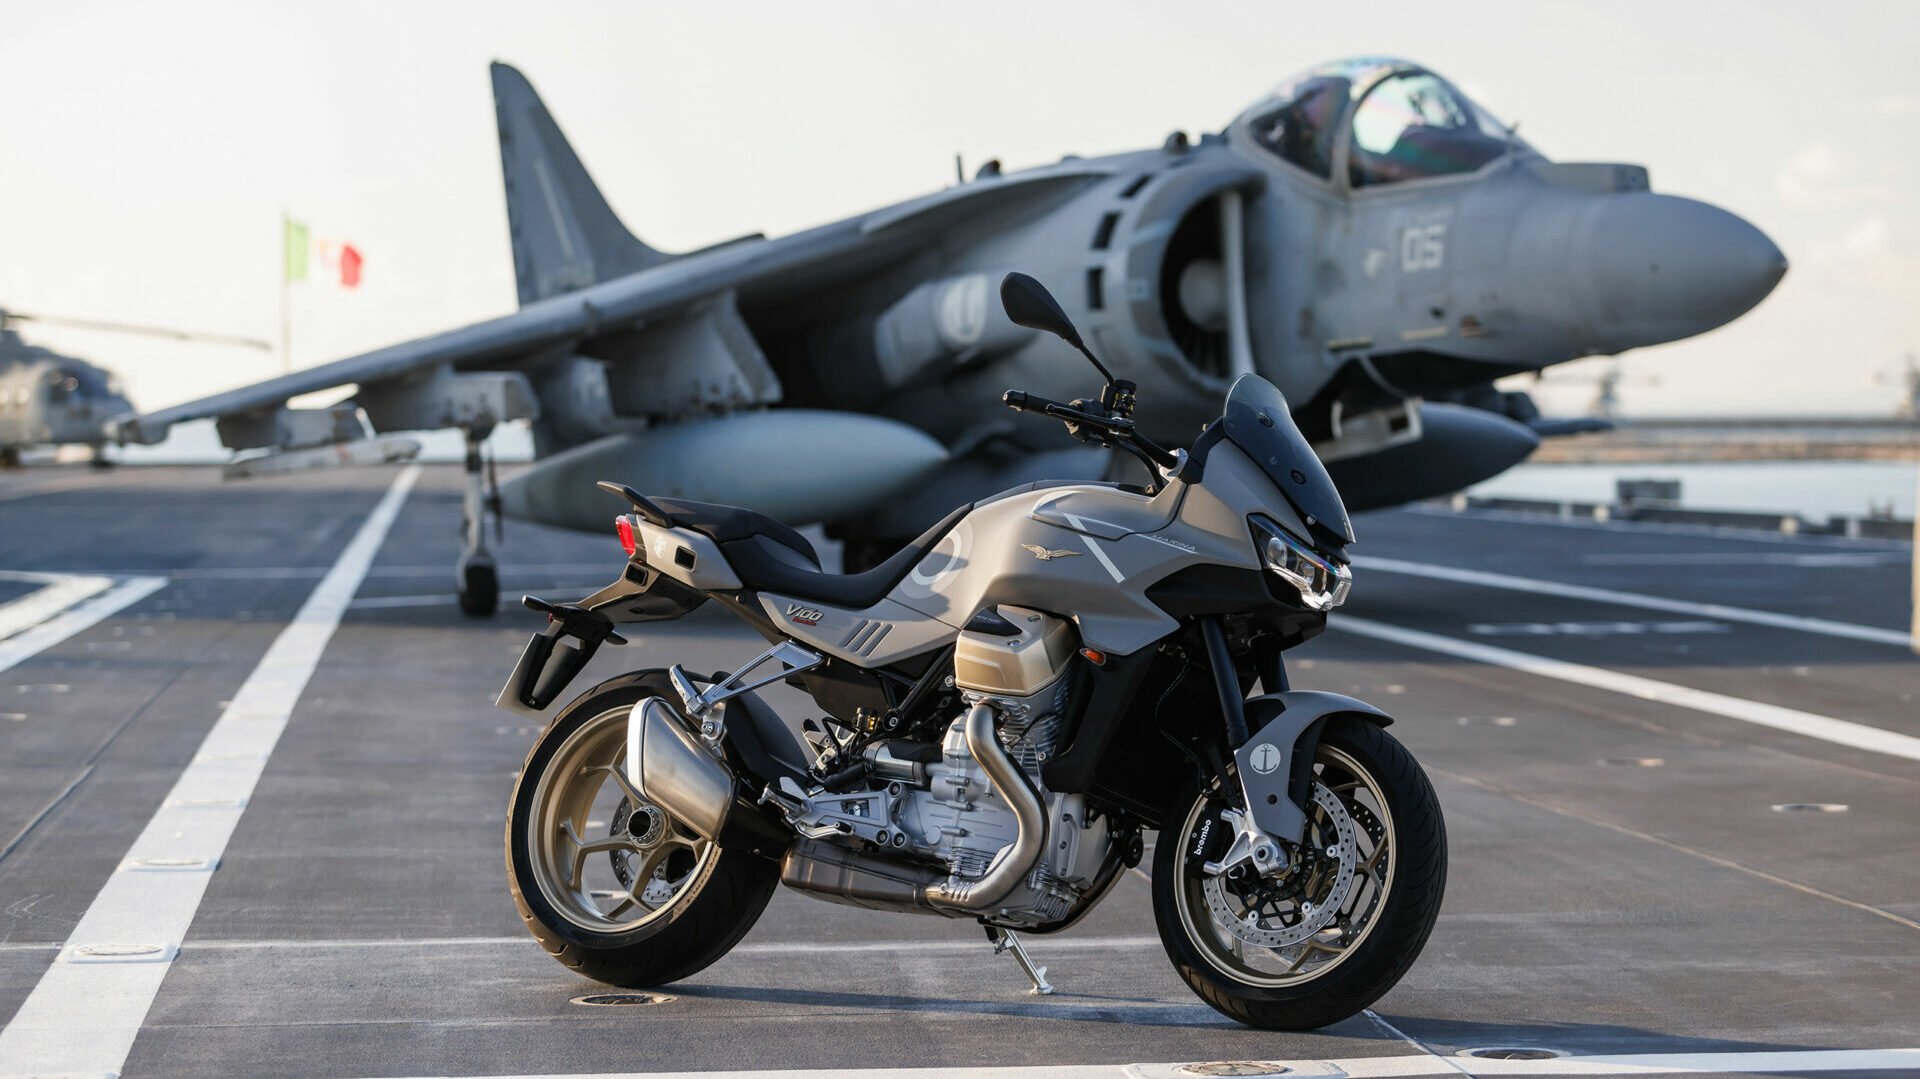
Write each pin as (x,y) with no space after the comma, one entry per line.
(676,772)
(1017,857)
(845,875)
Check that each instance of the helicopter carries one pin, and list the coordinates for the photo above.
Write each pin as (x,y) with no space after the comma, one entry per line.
(51,399)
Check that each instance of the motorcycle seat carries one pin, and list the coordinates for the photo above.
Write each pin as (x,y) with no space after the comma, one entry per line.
(730,524)
(775,558)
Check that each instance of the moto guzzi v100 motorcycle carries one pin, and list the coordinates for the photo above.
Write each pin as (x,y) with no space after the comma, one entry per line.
(1010,702)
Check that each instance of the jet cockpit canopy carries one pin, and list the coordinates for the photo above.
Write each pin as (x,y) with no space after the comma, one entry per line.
(1377,120)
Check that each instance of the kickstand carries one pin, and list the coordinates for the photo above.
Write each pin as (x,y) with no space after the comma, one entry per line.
(1003,941)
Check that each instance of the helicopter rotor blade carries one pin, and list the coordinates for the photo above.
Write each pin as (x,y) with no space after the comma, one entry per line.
(147,331)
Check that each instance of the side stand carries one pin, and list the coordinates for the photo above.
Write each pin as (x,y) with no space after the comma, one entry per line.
(1004,941)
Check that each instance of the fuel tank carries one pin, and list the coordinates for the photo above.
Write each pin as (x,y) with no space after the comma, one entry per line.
(800,466)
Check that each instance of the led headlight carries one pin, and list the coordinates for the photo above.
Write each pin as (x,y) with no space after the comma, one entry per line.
(1321,582)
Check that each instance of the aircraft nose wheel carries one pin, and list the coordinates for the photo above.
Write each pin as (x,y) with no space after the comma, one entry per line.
(479,588)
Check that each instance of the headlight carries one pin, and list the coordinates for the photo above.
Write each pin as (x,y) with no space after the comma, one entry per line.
(1322,584)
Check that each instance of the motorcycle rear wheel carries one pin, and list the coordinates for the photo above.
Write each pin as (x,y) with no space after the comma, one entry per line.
(609,884)
(1380,921)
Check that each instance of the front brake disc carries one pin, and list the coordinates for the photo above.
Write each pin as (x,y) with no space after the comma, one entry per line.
(1249,925)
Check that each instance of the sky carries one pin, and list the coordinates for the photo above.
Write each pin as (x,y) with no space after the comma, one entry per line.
(150,149)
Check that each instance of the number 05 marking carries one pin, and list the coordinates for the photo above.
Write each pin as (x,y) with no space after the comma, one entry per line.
(1422,247)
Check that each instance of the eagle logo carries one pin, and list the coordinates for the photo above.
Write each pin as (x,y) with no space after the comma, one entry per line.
(1045,555)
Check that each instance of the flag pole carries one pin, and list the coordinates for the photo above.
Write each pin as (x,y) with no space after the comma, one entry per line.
(286,288)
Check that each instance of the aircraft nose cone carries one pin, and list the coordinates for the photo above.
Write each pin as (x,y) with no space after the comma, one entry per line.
(1661,268)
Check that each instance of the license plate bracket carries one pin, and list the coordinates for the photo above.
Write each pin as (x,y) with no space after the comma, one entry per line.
(554,656)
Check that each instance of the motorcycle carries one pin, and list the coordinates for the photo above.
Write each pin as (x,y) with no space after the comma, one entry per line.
(1010,703)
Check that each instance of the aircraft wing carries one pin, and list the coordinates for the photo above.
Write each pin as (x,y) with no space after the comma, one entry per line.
(526,331)
(679,315)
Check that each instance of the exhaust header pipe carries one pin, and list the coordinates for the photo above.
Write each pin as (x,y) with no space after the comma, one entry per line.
(1017,857)
(845,875)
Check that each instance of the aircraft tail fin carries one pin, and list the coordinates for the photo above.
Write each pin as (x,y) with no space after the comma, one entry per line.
(565,236)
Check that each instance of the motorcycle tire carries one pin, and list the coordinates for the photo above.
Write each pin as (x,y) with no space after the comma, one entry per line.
(707,901)
(1342,968)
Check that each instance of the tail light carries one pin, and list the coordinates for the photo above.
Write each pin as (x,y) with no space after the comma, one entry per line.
(623,524)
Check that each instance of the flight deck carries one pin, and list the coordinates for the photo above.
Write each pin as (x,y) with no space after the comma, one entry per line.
(1680,771)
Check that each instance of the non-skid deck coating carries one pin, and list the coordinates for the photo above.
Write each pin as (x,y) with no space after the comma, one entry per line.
(1644,917)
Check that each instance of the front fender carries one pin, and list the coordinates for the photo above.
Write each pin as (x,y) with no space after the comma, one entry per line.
(1276,764)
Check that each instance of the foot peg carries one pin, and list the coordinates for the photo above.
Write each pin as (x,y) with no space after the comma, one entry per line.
(1004,941)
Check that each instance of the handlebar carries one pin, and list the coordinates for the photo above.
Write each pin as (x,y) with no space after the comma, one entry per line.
(1118,428)
(1022,401)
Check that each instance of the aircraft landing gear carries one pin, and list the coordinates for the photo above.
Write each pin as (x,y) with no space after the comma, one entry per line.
(476,577)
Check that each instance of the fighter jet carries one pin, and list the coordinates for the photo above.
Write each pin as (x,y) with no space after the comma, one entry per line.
(1365,236)
(48,399)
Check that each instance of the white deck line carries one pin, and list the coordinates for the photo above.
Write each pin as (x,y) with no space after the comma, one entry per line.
(84,606)
(84,1013)
(1797,623)
(58,591)
(1793,721)
(526,942)
(1380,1067)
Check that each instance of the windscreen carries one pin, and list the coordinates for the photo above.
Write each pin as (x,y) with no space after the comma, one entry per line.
(1257,421)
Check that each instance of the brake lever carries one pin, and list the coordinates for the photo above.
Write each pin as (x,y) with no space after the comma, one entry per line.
(1091,419)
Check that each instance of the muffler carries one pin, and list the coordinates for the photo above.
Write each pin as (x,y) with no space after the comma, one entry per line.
(840,874)
(675,771)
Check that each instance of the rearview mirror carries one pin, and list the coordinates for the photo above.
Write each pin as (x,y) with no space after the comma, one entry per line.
(1029,304)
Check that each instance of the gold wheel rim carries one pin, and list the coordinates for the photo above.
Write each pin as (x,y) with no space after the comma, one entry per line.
(600,869)
(1320,954)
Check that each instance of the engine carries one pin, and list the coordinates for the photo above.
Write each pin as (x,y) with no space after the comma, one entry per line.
(941,825)
(961,820)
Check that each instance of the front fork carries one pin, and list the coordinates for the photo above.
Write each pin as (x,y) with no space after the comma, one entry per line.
(1266,760)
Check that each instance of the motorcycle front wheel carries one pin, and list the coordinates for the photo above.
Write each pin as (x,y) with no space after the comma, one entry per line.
(609,883)
(1328,934)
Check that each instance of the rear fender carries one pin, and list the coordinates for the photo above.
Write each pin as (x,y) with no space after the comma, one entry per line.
(1276,764)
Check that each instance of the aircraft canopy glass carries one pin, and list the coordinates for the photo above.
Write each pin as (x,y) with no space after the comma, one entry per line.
(1409,124)
(1412,125)
(1300,125)
(90,381)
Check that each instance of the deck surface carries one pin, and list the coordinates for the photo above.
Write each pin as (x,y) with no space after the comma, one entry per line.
(1622,881)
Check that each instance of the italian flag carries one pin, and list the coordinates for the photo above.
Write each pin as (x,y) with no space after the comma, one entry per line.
(337,259)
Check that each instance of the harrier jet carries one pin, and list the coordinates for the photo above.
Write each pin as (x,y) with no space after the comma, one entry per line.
(1366,237)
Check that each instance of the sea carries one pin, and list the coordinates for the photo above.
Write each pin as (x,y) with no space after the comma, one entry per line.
(1815,490)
